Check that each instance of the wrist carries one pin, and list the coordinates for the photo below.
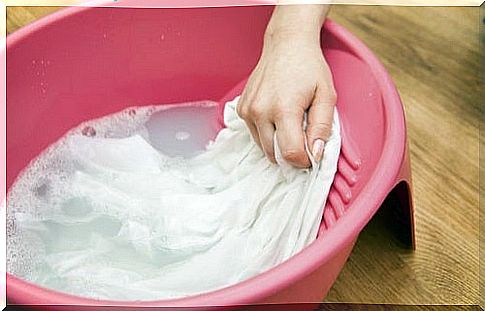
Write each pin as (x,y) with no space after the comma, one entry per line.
(296,23)
(291,38)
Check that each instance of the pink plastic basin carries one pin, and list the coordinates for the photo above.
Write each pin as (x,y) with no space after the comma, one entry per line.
(82,63)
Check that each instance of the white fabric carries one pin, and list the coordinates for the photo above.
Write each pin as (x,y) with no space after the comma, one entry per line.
(186,227)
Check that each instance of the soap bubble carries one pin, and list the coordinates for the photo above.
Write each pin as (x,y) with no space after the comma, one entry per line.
(89,131)
(55,234)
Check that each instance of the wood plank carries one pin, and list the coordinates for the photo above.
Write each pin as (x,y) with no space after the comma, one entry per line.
(432,55)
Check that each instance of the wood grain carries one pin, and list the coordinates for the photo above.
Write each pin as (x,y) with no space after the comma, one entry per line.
(20,16)
(433,56)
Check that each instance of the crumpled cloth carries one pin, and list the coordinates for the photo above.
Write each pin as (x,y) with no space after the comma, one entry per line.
(161,227)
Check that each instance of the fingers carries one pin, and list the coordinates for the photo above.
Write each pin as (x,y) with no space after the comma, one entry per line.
(291,139)
(254,132)
(243,112)
(261,128)
(289,131)
(319,121)
(266,135)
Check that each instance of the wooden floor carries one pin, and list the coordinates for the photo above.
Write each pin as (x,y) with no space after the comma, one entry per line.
(433,56)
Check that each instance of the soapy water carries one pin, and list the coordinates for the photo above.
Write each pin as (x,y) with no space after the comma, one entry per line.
(144,205)
(45,220)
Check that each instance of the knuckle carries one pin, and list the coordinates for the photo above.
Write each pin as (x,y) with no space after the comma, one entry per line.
(294,156)
(328,96)
(332,97)
(243,112)
(330,100)
(321,128)
(255,110)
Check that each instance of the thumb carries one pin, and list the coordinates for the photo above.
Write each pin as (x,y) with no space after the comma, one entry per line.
(319,120)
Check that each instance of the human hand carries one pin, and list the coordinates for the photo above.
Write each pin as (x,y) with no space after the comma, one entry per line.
(291,78)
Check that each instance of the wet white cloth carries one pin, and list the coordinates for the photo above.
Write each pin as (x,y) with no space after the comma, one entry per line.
(172,228)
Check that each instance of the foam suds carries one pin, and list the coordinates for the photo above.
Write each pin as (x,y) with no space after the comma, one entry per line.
(45,219)
(143,205)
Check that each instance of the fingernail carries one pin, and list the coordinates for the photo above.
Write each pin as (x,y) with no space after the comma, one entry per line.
(317,150)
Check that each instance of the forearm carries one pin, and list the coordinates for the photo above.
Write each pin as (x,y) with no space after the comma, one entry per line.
(297,21)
